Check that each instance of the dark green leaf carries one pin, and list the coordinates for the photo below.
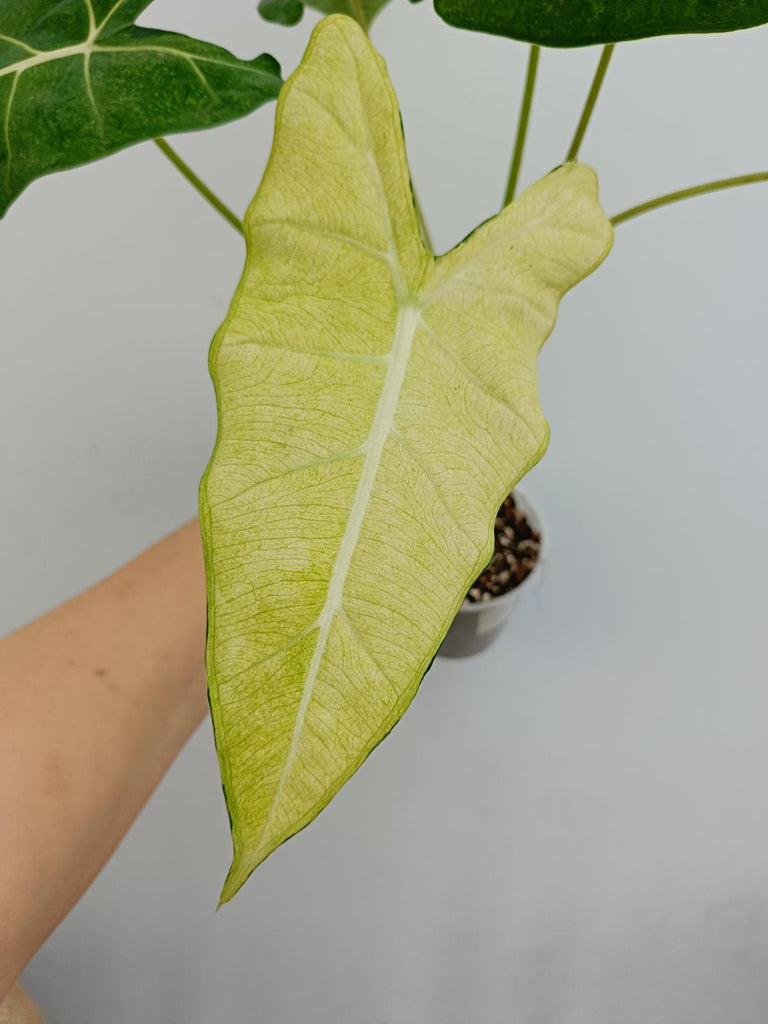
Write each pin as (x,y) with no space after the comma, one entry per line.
(79,80)
(583,22)
(282,12)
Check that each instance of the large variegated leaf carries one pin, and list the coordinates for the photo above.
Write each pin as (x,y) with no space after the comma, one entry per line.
(582,22)
(375,406)
(78,80)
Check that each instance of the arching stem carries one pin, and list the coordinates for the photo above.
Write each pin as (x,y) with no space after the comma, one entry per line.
(589,106)
(688,193)
(522,124)
(358,13)
(198,184)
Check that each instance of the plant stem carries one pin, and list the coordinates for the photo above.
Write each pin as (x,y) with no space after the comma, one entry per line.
(198,184)
(688,193)
(589,106)
(522,124)
(358,13)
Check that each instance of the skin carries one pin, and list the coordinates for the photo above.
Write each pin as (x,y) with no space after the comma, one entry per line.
(18,1008)
(96,700)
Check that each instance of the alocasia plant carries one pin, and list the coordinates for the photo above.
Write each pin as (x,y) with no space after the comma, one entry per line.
(376,405)
(79,80)
(376,402)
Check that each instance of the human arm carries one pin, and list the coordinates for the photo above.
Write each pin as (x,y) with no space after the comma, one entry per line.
(96,700)
(18,1008)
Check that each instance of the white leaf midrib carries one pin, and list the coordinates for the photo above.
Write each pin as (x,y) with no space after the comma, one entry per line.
(408,320)
(383,422)
(88,47)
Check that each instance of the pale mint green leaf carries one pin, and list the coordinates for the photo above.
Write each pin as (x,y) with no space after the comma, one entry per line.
(79,80)
(375,406)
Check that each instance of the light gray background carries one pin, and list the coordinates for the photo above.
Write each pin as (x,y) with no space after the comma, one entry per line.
(571,828)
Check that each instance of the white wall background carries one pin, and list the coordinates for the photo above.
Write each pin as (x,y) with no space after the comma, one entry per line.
(573,828)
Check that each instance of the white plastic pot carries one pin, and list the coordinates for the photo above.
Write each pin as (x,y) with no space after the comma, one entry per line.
(476,626)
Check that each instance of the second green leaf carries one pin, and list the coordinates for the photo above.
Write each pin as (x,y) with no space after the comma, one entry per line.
(79,80)
(585,22)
